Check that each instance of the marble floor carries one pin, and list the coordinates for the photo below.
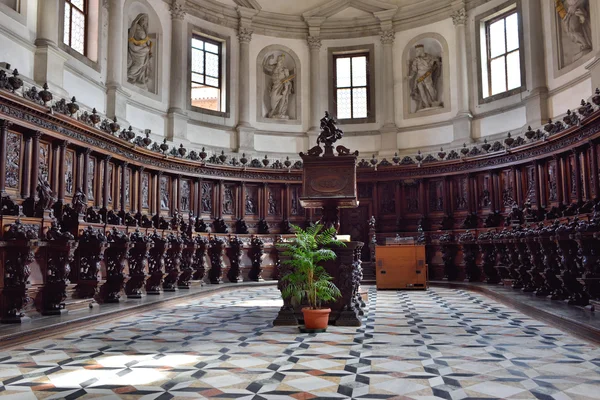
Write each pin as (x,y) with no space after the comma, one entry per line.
(443,343)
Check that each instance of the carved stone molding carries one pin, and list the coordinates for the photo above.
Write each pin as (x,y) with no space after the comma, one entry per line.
(388,36)
(314,42)
(178,10)
(245,35)
(459,17)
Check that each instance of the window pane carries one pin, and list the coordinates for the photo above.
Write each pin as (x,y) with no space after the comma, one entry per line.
(67,24)
(513,66)
(206,97)
(197,61)
(212,64)
(199,44)
(359,71)
(197,78)
(212,81)
(342,72)
(78,34)
(211,47)
(498,76)
(512,32)
(497,45)
(359,103)
(343,103)
(78,4)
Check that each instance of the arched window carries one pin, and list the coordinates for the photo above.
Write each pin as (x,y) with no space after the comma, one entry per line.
(75,26)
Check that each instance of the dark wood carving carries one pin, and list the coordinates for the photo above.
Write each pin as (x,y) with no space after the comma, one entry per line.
(236,251)
(200,260)
(172,262)
(92,245)
(216,249)
(156,263)
(188,260)
(257,251)
(138,264)
(116,260)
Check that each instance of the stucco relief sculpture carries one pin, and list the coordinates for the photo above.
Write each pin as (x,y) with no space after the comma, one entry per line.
(280,87)
(139,52)
(423,79)
(575,18)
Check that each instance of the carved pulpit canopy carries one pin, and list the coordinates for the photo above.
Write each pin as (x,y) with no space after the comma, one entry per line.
(329,181)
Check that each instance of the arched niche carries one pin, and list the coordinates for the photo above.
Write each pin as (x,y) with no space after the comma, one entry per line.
(435,47)
(133,10)
(265,66)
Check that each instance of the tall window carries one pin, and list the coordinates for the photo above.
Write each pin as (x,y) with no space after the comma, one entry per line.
(206,73)
(351,85)
(75,29)
(502,47)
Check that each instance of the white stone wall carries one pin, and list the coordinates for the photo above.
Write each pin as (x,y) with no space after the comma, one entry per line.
(87,81)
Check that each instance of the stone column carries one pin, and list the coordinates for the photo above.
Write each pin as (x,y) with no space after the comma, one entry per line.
(462,121)
(245,131)
(4,125)
(49,60)
(177,118)
(116,101)
(536,102)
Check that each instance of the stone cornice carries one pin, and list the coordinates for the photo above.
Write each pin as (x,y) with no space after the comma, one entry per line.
(296,26)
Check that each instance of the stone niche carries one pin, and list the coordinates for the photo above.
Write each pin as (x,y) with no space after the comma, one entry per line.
(278,86)
(142,48)
(572,31)
(426,88)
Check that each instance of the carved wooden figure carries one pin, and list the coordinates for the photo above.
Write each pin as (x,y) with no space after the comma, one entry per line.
(200,260)
(216,250)
(138,264)
(188,257)
(92,245)
(116,261)
(173,262)
(236,251)
(156,263)
(257,251)
(60,253)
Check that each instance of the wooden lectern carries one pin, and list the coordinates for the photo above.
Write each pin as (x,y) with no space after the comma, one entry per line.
(400,264)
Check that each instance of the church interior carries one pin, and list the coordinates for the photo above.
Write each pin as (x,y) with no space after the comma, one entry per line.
(186,184)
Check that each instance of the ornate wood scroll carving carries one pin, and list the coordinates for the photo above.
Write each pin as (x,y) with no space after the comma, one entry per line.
(138,264)
(236,251)
(257,252)
(13,160)
(216,250)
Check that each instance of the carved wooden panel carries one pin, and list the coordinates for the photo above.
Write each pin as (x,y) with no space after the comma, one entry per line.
(13,160)
(484,191)
(436,195)
(44,161)
(145,190)
(552,187)
(128,188)
(69,172)
(111,172)
(530,184)
(251,200)
(460,193)
(165,193)
(507,184)
(411,197)
(590,171)
(295,207)
(572,178)
(387,198)
(228,199)
(207,197)
(91,178)
(185,195)
(273,201)
(365,190)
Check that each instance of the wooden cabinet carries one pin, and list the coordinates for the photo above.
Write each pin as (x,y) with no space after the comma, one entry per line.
(401,267)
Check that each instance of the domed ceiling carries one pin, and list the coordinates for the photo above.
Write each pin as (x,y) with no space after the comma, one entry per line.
(335,18)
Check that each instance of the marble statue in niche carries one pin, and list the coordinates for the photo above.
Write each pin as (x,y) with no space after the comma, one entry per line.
(139,52)
(145,191)
(280,87)
(424,78)
(250,205)
(272,204)
(227,201)
(575,37)
(13,158)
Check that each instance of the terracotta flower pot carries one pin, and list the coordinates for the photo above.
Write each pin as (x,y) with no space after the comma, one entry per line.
(316,319)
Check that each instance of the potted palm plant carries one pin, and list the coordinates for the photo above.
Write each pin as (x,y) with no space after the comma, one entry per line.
(308,283)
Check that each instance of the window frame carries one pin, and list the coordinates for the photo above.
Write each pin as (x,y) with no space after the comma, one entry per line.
(219,44)
(85,13)
(481,61)
(489,57)
(371,68)
(337,56)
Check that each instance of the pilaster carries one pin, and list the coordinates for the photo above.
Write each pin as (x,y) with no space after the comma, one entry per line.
(49,60)
(177,117)
(462,122)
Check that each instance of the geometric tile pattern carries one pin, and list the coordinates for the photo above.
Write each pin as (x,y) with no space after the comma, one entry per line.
(438,344)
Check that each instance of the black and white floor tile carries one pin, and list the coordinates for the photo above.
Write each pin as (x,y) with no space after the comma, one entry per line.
(439,344)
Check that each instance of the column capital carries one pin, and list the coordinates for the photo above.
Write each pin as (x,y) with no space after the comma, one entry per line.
(314,42)
(107,158)
(388,36)
(245,35)
(63,144)
(5,124)
(178,10)
(459,17)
